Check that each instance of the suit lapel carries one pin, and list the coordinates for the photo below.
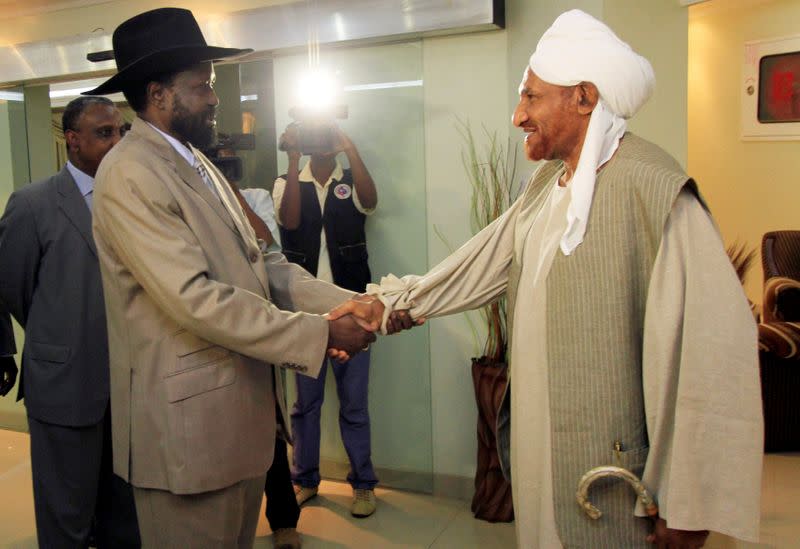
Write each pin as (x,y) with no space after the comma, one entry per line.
(246,231)
(228,200)
(186,172)
(193,179)
(72,203)
(231,203)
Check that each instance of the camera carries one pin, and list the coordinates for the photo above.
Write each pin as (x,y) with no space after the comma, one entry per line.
(315,128)
(223,154)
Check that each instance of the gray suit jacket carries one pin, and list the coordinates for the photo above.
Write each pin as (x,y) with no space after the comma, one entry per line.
(197,317)
(50,283)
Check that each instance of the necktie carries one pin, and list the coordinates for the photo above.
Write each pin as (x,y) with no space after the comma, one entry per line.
(201,169)
(234,210)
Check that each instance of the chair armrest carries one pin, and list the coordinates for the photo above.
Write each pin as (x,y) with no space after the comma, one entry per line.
(781,300)
(782,339)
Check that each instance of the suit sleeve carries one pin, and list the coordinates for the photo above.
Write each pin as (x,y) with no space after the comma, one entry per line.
(20,251)
(141,222)
(8,346)
(294,289)
(291,287)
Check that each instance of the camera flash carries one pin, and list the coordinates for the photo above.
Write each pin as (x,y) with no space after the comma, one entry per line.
(317,90)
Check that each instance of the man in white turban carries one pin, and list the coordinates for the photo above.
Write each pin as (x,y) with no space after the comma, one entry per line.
(631,341)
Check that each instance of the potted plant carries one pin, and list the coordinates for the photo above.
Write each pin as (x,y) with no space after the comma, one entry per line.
(491,170)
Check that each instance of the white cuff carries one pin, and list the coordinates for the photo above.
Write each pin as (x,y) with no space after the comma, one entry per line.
(392,292)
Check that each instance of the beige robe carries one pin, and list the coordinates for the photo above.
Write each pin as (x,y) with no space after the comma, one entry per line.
(700,371)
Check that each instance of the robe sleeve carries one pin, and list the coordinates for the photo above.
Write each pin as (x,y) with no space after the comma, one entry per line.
(474,275)
(701,383)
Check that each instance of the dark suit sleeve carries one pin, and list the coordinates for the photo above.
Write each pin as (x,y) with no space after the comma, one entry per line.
(20,253)
(7,344)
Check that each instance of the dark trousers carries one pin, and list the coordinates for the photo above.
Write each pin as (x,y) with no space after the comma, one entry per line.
(75,489)
(282,509)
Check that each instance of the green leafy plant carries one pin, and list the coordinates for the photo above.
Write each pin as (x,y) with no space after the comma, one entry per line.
(491,171)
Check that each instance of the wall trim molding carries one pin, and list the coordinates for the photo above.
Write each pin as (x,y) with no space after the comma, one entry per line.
(268,29)
(436,484)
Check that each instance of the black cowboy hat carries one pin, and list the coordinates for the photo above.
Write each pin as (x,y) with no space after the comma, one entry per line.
(159,41)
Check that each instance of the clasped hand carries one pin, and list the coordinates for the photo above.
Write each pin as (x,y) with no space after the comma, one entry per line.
(8,374)
(664,537)
(366,312)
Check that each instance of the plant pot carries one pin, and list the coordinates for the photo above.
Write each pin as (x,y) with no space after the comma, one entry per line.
(492,500)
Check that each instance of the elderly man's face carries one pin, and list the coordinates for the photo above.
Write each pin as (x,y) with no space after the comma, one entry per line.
(98,128)
(548,116)
(194,105)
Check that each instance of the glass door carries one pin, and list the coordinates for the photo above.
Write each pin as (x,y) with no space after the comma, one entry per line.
(14,173)
(383,90)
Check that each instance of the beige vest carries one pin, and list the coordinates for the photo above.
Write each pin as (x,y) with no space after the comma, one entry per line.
(596,299)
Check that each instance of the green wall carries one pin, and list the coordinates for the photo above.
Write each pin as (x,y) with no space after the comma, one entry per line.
(13,166)
(39,122)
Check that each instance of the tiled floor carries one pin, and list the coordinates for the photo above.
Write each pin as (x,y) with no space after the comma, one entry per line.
(403,520)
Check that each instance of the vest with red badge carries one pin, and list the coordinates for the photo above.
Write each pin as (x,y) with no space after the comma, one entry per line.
(344,234)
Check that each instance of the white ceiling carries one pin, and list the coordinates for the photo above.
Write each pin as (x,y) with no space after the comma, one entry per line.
(15,8)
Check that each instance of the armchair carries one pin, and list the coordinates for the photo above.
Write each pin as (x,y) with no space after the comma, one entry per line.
(779,340)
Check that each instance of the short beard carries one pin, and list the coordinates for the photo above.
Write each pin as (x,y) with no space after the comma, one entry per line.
(193,127)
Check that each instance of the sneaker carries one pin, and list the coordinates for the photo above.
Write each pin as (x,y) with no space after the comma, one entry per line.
(286,538)
(363,503)
(304,493)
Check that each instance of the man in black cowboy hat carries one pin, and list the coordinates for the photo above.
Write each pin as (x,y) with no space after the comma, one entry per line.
(197,316)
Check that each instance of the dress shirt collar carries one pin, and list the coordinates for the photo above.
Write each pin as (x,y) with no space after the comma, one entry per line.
(84,181)
(306,175)
(182,149)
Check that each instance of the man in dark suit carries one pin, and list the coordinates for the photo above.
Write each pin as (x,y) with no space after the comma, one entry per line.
(8,368)
(50,283)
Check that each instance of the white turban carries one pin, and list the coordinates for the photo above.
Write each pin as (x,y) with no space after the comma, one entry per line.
(579,48)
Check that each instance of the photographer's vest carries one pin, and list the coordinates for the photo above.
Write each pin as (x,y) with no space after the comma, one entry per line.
(344,233)
(595,318)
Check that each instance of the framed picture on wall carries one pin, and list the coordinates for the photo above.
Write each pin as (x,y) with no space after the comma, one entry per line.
(779,88)
(771,90)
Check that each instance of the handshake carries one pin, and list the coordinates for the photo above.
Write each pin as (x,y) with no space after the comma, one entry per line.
(352,325)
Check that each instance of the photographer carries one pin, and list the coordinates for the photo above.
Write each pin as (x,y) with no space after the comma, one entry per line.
(321,211)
